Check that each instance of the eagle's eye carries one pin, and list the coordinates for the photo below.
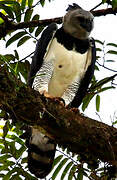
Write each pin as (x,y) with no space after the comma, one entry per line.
(81,19)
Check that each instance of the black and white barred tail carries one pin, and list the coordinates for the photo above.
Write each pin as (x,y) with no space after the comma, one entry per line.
(41,152)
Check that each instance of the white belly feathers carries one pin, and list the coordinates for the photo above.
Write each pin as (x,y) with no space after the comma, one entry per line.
(68,66)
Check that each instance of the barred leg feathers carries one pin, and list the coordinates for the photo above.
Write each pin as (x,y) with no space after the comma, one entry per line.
(41,152)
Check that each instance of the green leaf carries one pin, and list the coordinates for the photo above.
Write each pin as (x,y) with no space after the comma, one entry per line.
(104,1)
(80,174)
(39,30)
(71,173)
(109,60)
(1,175)
(98,49)
(104,81)
(66,170)
(4,157)
(23,4)
(20,151)
(86,101)
(112,52)
(4,168)
(105,88)
(23,40)
(16,54)
(112,44)
(5,129)
(1,21)
(24,69)
(100,42)
(24,160)
(36,17)
(97,103)
(28,15)
(30,2)
(42,2)
(15,177)
(96,68)
(7,9)
(57,170)
(17,10)
(114,4)
(16,139)
(15,37)
(9,57)
(8,175)
(57,160)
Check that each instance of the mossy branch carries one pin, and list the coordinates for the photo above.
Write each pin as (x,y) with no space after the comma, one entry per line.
(68,127)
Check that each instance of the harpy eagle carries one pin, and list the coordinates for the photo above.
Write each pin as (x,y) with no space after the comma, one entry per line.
(62,65)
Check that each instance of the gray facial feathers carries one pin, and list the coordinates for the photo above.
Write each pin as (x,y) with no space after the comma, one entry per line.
(78,23)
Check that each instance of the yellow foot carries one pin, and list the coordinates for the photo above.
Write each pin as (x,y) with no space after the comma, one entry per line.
(46,94)
(59,99)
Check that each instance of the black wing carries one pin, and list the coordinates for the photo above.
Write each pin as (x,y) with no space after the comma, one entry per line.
(40,51)
(84,83)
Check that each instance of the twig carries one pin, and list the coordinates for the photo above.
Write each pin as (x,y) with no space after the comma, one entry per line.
(106,67)
(96,6)
(68,156)
(26,57)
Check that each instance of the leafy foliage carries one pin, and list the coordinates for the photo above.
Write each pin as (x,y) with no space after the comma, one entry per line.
(13,158)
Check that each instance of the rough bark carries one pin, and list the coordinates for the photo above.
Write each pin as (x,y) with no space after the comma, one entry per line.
(68,127)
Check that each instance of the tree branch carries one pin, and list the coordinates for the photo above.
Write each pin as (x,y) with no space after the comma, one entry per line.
(9,26)
(89,138)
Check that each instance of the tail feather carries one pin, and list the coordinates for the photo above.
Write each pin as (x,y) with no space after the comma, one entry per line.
(41,152)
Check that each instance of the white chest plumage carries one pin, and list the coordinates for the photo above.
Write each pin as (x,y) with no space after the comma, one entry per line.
(68,65)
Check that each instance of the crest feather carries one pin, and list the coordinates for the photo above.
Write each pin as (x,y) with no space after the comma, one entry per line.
(73,7)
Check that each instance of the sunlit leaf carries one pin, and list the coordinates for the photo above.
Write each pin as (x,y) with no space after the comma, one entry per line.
(1,21)
(7,9)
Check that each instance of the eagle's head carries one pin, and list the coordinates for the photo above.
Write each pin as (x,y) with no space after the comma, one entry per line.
(78,22)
